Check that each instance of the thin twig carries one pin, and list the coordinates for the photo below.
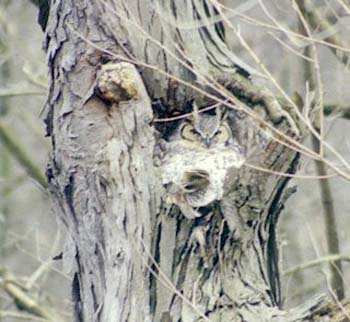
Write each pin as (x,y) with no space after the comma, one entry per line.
(317,262)
(8,92)
(289,175)
(339,110)
(316,20)
(21,316)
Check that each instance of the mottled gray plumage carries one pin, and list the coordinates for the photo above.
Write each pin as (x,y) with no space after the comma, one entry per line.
(197,159)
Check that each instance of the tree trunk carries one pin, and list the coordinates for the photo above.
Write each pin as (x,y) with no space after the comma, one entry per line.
(134,253)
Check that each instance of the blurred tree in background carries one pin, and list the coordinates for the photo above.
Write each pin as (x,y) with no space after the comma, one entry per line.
(30,236)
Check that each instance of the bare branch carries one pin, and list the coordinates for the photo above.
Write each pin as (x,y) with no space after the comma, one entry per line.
(342,111)
(24,300)
(312,76)
(316,20)
(7,92)
(317,262)
(21,156)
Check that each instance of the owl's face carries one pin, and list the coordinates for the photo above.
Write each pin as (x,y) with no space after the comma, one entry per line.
(207,130)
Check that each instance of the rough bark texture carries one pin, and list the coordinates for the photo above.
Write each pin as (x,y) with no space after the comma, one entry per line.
(132,256)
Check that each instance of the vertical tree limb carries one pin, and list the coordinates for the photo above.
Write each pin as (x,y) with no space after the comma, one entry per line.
(329,214)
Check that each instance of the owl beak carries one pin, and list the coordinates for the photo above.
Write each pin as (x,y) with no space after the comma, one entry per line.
(207,142)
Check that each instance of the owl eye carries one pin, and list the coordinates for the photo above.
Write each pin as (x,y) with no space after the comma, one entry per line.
(189,133)
(222,135)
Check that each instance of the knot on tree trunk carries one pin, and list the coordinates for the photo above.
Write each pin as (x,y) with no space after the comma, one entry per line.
(117,83)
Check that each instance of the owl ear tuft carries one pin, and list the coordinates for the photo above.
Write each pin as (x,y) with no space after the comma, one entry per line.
(221,113)
(218,113)
(195,112)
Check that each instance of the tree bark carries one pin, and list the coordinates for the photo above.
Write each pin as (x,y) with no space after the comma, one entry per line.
(132,255)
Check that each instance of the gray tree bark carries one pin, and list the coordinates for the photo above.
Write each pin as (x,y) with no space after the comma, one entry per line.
(132,255)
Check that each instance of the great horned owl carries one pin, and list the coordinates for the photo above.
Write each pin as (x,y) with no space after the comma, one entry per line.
(206,130)
(198,157)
